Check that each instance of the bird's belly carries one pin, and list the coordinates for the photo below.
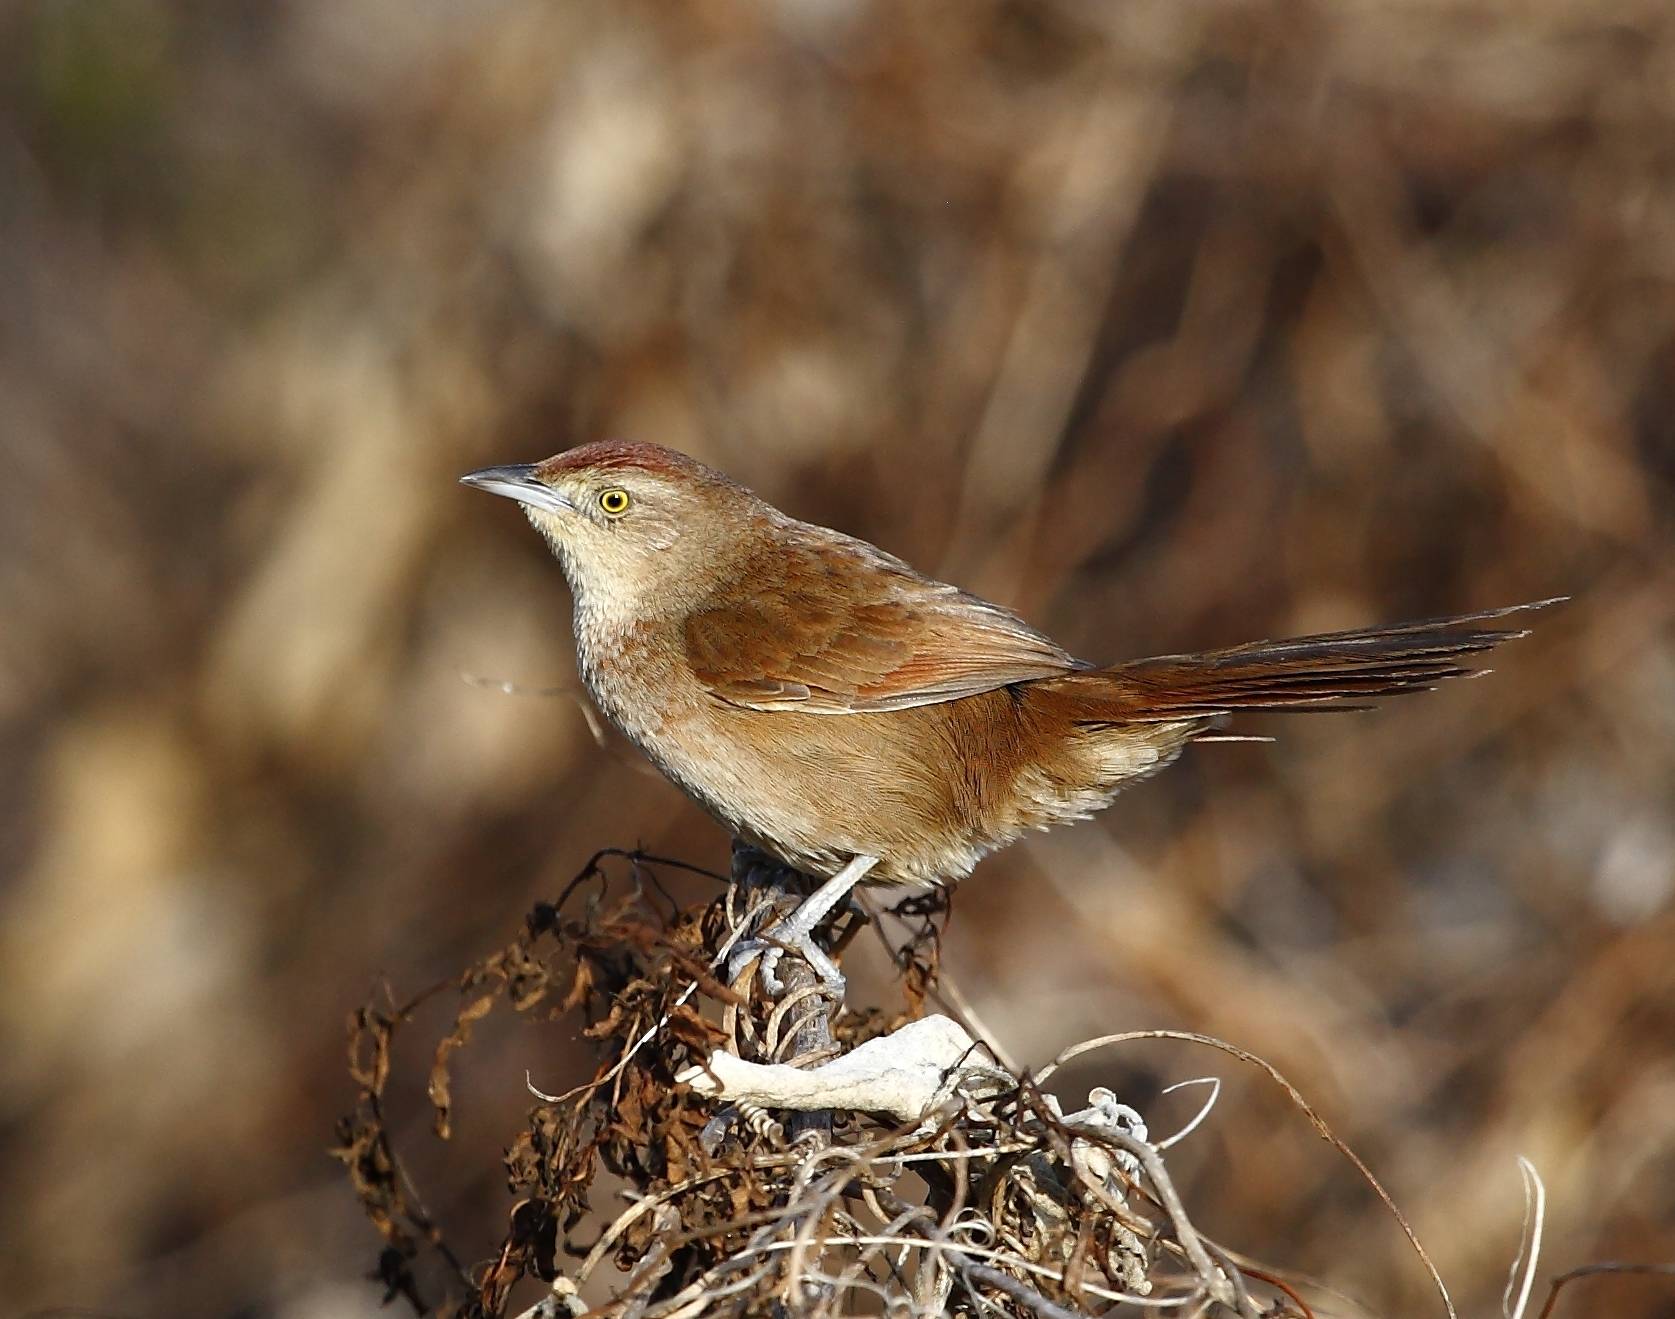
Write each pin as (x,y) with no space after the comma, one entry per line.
(813,790)
(816,790)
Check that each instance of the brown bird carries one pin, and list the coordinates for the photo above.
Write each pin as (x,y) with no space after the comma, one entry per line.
(858,720)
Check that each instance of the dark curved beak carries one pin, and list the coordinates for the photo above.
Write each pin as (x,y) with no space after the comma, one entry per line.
(518,482)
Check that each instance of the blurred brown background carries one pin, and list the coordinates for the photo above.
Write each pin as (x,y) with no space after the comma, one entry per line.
(1172,325)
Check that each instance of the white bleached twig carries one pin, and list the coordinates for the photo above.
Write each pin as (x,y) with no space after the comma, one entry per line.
(906,1074)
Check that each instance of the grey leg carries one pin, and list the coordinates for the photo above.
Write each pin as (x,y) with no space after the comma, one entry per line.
(796,931)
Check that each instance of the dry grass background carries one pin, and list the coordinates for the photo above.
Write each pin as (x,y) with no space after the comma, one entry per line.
(1170,324)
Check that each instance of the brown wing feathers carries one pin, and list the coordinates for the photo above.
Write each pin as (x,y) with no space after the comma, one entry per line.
(836,627)
(1333,671)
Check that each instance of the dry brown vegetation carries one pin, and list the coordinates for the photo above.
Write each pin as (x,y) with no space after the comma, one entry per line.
(971,1191)
(1170,324)
(989,1199)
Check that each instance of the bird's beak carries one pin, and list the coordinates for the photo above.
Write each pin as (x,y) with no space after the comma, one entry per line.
(518,482)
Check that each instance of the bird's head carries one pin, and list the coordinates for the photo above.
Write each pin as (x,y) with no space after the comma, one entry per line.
(639,528)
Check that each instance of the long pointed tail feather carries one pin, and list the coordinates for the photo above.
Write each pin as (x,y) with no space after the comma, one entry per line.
(1332,671)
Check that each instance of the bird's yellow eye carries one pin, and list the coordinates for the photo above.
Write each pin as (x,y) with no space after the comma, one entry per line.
(614,502)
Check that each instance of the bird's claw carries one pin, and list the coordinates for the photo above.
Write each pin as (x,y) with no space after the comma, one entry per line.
(772,945)
(747,951)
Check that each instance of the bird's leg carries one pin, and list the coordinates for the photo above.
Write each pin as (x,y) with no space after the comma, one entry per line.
(795,933)
(754,868)
(756,872)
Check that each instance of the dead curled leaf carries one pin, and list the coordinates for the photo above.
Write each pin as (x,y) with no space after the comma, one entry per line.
(369,1048)
(439,1087)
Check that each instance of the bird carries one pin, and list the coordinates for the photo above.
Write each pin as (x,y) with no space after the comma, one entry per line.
(859,721)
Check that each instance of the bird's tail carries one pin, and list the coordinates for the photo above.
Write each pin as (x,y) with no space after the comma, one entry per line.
(1333,671)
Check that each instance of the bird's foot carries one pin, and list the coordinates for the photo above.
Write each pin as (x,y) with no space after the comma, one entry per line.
(787,936)
(795,933)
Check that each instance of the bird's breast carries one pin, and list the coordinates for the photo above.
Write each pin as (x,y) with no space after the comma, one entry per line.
(631,673)
(638,676)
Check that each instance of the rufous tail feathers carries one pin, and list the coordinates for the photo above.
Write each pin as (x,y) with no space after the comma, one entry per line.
(1333,671)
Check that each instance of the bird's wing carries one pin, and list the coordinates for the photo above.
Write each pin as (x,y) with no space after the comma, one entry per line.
(836,626)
